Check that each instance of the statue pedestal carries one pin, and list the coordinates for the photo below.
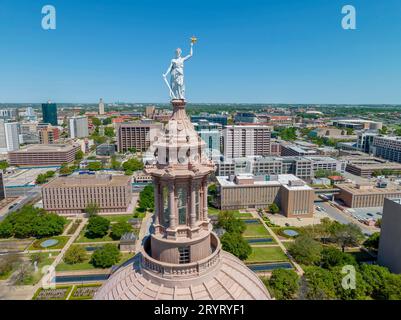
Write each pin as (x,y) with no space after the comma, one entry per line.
(178,103)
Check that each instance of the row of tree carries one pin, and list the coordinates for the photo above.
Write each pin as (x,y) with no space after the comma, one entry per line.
(232,240)
(31,222)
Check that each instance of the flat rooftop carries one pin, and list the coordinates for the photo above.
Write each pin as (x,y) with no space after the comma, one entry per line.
(84,180)
(372,189)
(272,180)
(45,148)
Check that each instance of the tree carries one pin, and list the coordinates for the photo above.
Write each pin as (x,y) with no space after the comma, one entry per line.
(6,229)
(95,166)
(75,254)
(109,132)
(132,150)
(274,208)
(347,235)
(65,170)
(96,121)
(357,293)
(284,284)
(375,278)
(107,121)
(230,223)
(116,165)
(41,179)
(305,250)
(146,199)
(373,241)
(50,174)
(320,284)
(97,227)
(132,165)
(31,222)
(332,257)
(234,243)
(79,155)
(119,229)
(92,209)
(383,130)
(106,256)
(3,165)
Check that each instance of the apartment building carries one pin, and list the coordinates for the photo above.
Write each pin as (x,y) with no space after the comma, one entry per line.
(136,135)
(246,140)
(387,147)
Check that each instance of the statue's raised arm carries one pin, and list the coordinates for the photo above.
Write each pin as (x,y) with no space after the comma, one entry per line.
(190,52)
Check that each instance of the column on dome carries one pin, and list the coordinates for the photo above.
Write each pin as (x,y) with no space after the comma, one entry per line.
(205,209)
(171,205)
(193,205)
(157,201)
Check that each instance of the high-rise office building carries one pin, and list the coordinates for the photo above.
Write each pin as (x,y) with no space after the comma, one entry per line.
(2,190)
(387,147)
(78,127)
(101,107)
(49,112)
(390,244)
(247,140)
(9,136)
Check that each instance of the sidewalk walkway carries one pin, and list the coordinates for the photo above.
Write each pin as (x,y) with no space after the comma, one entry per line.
(298,268)
(146,222)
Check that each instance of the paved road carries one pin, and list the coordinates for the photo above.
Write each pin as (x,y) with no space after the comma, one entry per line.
(343,218)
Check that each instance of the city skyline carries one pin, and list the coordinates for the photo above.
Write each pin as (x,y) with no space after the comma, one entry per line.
(267,52)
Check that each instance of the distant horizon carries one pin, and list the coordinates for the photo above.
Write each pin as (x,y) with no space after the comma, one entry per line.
(248,52)
(210,103)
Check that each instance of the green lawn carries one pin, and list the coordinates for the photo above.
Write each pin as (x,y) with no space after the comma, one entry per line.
(213,211)
(62,240)
(266,254)
(255,230)
(62,266)
(83,239)
(119,218)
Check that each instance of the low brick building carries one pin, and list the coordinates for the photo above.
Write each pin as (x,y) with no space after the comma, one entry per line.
(44,155)
(294,197)
(367,195)
(71,195)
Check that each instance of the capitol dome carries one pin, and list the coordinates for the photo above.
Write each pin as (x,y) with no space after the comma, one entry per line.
(182,258)
(221,276)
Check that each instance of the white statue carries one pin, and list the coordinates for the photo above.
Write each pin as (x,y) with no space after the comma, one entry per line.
(176,70)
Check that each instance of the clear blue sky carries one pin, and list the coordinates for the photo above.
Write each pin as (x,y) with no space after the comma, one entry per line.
(267,51)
